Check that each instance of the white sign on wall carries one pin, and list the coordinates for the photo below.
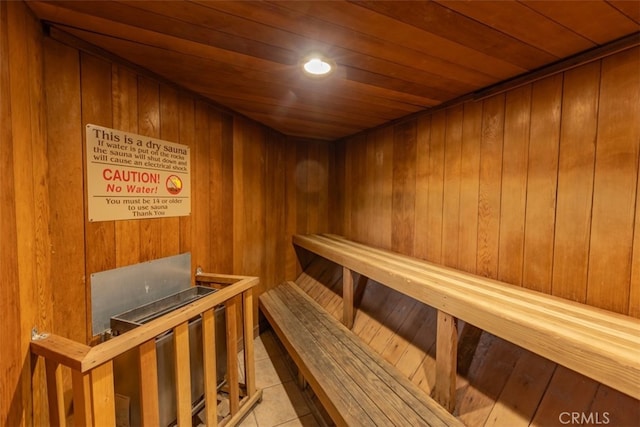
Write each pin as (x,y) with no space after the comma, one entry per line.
(132,176)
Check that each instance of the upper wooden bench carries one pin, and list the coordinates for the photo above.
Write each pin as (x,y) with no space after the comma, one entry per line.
(597,343)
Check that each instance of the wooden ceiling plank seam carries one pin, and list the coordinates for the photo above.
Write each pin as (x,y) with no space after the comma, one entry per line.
(140,18)
(427,45)
(437,19)
(72,41)
(408,73)
(586,18)
(295,110)
(628,42)
(300,112)
(348,58)
(101,26)
(91,20)
(397,59)
(315,132)
(400,85)
(340,42)
(177,65)
(523,23)
(595,54)
(371,123)
(238,27)
(630,9)
(317,123)
(196,49)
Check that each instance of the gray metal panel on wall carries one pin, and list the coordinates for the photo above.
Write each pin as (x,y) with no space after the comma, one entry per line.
(121,289)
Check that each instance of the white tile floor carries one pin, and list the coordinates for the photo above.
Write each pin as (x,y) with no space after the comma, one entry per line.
(283,403)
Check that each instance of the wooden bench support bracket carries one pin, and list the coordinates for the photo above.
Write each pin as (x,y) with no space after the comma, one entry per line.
(446,360)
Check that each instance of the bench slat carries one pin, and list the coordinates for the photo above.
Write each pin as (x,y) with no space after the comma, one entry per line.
(324,378)
(581,314)
(401,400)
(352,374)
(363,376)
(594,342)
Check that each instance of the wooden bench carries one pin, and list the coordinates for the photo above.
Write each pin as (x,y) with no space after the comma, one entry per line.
(355,385)
(597,343)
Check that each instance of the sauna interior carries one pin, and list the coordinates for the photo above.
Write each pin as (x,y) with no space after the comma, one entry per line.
(500,139)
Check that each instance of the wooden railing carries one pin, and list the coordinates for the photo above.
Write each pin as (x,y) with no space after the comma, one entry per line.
(92,367)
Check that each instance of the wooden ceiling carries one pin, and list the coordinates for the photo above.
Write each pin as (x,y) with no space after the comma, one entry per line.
(393,58)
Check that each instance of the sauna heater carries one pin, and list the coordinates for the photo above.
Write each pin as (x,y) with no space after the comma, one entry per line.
(128,297)
(127,371)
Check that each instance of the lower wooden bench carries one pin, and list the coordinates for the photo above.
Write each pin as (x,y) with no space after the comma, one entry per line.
(355,385)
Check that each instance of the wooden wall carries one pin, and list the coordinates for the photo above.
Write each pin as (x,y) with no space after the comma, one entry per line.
(240,190)
(25,264)
(252,188)
(536,186)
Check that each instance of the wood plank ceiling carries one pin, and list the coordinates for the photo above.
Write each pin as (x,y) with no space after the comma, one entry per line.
(393,58)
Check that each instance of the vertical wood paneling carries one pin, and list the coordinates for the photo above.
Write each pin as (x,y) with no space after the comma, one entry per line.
(124,88)
(217,192)
(200,196)
(50,249)
(292,267)
(634,297)
(529,195)
(224,251)
(249,198)
(436,187)
(372,190)
(336,181)
(423,141)
(186,106)
(355,175)
(12,399)
(31,195)
(451,188)
(323,167)
(514,184)
(384,186)
(469,182)
(616,174)
(169,130)
(542,182)
(66,193)
(149,125)
(301,180)
(95,80)
(30,206)
(490,186)
(404,188)
(575,181)
(348,189)
(276,238)
(314,177)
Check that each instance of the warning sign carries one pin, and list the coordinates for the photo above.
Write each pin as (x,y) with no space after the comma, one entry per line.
(132,176)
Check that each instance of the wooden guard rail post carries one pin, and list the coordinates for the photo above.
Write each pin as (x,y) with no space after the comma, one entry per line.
(92,367)
(597,343)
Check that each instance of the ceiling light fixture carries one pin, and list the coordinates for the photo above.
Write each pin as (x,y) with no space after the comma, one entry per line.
(316,65)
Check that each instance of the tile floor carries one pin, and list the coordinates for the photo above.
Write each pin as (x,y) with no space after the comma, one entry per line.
(283,403)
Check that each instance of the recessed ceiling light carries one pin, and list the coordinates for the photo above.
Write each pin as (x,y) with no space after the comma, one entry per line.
(317,66)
